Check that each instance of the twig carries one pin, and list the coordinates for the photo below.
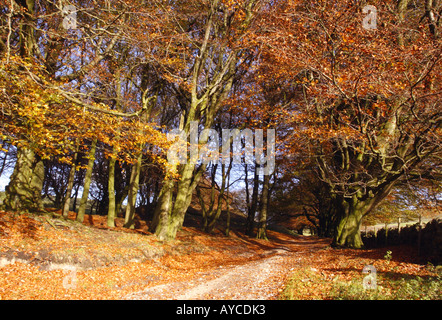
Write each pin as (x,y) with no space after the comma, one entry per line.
(51,223)
(8,41)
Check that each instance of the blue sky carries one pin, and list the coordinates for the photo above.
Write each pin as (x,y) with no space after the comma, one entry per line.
(4,180)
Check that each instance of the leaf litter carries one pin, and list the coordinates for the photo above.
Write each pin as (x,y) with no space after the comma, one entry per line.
(90,261)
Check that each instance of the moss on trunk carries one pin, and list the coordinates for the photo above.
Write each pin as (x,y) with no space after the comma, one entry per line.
(24,189)
(351,211)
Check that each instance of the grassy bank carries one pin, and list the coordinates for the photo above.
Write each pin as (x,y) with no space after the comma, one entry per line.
(345,280)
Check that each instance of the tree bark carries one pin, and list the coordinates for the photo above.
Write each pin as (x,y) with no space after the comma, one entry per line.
(262,221)
(402,8)
(133,191)
(67,197)
(432,17)
(111,213)
(26,183)
(173,202)
(348,228)
(253,205)
(28,45)
(214,217)
(351,212)
(207,213)
(173,218)
(87,182)
(228,208)
(163,207)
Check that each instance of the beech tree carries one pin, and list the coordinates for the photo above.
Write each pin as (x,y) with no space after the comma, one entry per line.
(353,90)
(366,100)
(214,35)
(63,85)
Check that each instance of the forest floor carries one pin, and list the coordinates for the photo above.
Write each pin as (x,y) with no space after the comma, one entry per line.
(48,257)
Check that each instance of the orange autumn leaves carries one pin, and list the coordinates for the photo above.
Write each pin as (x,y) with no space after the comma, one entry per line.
(330,79)
(314,266)
(326,41)
(34,114)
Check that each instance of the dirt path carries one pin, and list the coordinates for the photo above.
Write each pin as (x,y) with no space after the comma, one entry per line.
(262,278)
(47,252)
(88,261)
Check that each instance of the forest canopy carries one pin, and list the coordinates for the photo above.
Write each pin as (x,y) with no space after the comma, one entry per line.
(344,96)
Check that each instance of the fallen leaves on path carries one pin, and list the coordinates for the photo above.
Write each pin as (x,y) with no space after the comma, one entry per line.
(75,261)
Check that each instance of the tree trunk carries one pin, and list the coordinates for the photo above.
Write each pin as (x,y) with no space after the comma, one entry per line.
(350,214)
(26,182)
(348,233)
(169,216)
(111,213)
(133,191)
(202,205)
(217,213)
(120,196)
(28,43)
(208,213)
(170,210)
(401,8)
(67,197)
(262,222)
(253,205)
(181,203)
(87,182)
(74,205)
(205,101)
(228,208)
(163,207)
(228,216)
